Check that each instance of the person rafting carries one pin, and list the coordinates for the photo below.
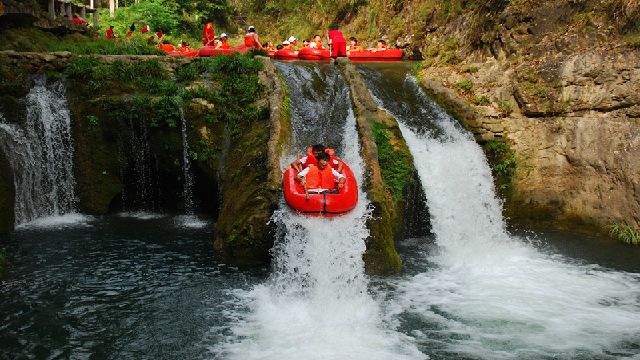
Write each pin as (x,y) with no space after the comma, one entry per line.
(110,34)
(251,38)
(316,43)
(381,45)
(337,43)
(320,178)
(286,45)
(184,47)
(208,34)
(268,46)
(223,44)
(312,158)
(145,29)
(306,43)
(294,42)
(353,45)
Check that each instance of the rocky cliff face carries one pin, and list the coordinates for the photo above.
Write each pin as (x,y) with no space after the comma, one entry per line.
(559,86)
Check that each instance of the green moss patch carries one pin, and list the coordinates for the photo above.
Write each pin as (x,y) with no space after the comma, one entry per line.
(395,161)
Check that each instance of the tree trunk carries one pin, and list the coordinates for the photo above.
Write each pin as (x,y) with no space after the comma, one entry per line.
(112,8)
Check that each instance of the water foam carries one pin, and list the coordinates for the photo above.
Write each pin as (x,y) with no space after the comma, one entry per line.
(58,222)
(316,304)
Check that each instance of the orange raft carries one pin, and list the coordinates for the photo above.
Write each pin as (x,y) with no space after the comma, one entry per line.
(191,53)
(212,51)
(381,55)
(321,204)
(314,54)
(286,54)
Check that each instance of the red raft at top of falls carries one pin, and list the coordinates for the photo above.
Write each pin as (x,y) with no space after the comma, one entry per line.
(286,54)
(321,204)
(314,54)
(212,51)
(380,55)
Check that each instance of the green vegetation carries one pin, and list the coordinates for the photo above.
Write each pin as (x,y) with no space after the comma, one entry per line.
(395,164)
(464,85)
(625,233)
(93,120)
(92,74)
(504,107)
(482,100)
(503,162)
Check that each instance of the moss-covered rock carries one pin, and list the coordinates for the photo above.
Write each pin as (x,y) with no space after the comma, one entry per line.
(390,170)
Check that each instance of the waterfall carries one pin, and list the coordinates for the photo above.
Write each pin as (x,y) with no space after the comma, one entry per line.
(316,303)
(485,293)
(40,152)
(187,178)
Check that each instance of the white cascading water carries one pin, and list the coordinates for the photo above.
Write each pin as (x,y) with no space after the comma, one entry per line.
(316,304)
(492,295)
(188,219)
(40,153)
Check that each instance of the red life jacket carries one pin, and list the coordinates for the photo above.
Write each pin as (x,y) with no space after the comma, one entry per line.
(312,160)
(250,40)
(110,34)
(317,178)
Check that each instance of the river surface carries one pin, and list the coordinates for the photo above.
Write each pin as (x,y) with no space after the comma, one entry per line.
(128,288)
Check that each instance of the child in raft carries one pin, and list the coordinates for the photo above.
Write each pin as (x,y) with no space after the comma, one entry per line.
(353,45)
(380,46)
(313,179)
(316,43)
(304,161)
(306,43)
(268,46)
(223,44)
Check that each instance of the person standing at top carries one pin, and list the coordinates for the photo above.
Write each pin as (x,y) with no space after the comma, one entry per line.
(337,43)
(208,34)
(251,39)
(110,33)
(145,29)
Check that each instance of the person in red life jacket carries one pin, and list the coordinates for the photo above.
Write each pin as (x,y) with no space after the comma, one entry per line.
(312,158)
(223,44)
(353,45)
(286,45)
(306,43)
(166,46)
(337,43)
(208,34)
(316,43)
(132,29)
(110,33)
(380,46)
(268,46)
(184,47)
(251,38)
(145,29)
(78,20)
(294,42)
(321,178)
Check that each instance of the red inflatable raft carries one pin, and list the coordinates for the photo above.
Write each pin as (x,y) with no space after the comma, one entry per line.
(314,54)
(321,204)
(184,53)
(211,51)
(382,55)
(286,54)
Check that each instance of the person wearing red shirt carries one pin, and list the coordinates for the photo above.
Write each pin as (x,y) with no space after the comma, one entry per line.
(110,33)
(208,34)
(337,43)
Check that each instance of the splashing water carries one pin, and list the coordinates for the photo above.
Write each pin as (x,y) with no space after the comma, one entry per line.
(316,303)
(488,294)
